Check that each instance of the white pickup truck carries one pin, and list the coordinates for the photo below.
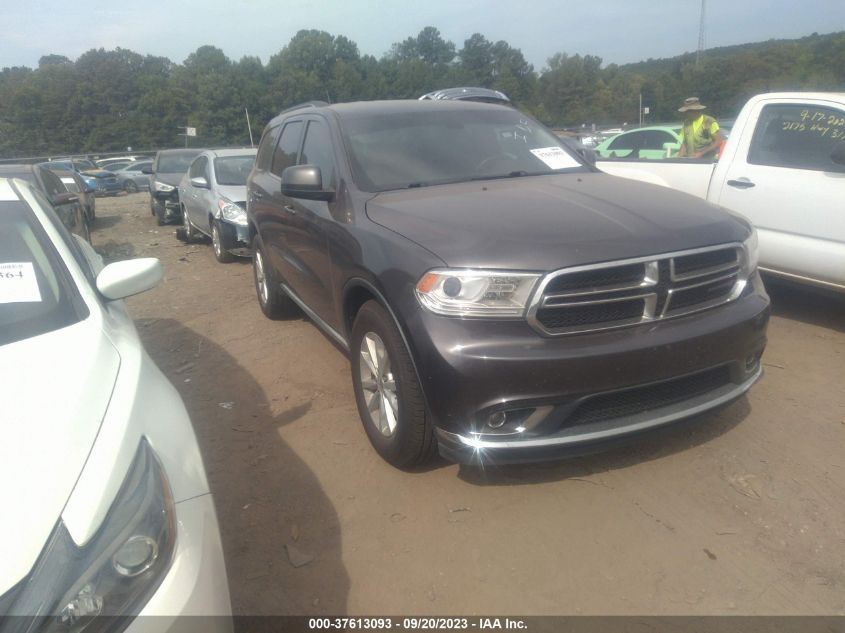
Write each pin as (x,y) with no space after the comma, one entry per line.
(783,168)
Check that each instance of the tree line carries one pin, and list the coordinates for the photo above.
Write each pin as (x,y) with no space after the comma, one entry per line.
(107,100)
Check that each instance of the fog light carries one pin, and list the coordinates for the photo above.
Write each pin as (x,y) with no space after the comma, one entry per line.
(751,362)
(136,556)
(497,420)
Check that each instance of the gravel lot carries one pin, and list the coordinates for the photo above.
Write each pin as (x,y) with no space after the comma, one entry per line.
(738,512)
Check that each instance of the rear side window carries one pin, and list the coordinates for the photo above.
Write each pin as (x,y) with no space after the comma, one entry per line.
(317,151)
(52,184)
(288,148)
(266,147)
(797,136)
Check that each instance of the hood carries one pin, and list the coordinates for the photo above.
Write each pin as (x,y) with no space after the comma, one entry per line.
(235,193)
(170,179)
(547,222)
(53,404)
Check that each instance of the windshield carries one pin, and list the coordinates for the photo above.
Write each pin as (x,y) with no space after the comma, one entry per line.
(233,170)
(83,165)
(414,149)
(174,163)
(36,294)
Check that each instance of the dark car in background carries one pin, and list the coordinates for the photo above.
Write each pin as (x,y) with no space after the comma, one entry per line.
(132,177)
(165,174)
(104,182)
(501,299)
(66,204)
(74,184)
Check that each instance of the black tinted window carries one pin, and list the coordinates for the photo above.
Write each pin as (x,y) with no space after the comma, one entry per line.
(288,148)
(797,136)
(317,151)
(52,184)
(266,147)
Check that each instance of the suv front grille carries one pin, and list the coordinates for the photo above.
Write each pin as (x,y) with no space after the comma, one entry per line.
(629,292)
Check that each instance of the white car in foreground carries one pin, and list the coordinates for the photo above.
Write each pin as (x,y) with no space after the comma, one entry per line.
(106,507)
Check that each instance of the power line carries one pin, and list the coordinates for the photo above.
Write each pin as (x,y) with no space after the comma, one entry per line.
(701,39)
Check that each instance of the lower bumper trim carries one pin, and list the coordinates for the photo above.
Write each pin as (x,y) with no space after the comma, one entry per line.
(588,438)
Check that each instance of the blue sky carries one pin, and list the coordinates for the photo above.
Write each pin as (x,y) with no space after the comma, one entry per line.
(618,31)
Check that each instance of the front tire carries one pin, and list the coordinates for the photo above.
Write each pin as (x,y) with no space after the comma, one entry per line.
(274,303)
(161,214)
(223,256)
(388,392)
(190,234)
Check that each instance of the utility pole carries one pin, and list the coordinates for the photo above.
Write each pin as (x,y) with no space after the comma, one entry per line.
(249,127)
(701,40)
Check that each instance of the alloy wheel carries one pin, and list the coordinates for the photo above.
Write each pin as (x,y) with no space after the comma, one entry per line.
(260,277)
(215,239)
(378,384)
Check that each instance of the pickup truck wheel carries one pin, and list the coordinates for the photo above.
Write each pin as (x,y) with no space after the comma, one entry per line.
(387,391)
(223,256)
(274,303)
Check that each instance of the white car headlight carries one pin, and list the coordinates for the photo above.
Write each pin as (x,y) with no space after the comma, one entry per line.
(476,293)
(228,210)
(752,254)
(163,187)
(118,570)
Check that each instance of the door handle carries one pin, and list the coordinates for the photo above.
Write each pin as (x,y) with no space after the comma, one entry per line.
(290,209)
(740,183)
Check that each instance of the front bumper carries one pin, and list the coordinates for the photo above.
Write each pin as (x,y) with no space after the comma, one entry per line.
(235,238)
(196,583)
(167,202)
(571,393)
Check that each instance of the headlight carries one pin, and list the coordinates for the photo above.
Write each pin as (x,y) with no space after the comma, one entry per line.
(117,570)
(163,186)
(228,210)
(475,293)
(752,254)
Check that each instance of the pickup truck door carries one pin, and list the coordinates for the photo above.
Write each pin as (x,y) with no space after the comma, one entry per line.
(306,225)
(783,180)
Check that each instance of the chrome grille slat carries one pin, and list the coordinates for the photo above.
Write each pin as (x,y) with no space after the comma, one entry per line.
(574,299)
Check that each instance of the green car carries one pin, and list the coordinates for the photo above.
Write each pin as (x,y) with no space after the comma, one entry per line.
(655,142)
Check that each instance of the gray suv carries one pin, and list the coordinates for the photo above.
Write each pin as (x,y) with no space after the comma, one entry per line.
(501,300)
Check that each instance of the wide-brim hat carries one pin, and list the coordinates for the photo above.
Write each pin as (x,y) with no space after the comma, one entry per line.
(692,104)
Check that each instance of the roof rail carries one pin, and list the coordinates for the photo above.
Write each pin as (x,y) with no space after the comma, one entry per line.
(307,104)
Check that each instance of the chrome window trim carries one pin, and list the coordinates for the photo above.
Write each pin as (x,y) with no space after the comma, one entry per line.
(650,280)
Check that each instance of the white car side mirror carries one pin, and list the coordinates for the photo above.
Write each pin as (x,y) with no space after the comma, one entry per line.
(130,277)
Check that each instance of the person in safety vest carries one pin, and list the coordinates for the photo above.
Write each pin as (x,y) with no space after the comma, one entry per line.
(700,136)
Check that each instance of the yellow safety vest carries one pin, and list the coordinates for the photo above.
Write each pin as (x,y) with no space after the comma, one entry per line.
(701,132)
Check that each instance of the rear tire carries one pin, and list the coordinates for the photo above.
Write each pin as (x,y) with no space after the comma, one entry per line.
(272,300)
(388,392)
(130,187)
(223,256)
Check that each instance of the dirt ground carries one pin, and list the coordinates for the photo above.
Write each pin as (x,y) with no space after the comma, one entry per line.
(738,512)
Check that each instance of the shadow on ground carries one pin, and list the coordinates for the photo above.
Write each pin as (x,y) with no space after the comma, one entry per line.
(814,306)
(274,515)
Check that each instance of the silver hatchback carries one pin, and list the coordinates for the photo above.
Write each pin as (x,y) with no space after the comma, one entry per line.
(212,197)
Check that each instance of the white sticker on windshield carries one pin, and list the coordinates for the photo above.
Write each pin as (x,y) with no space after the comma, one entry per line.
(18,283)
(555,157)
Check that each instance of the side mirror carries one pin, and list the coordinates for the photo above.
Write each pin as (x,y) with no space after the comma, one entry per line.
(147,169)
(64,198)
(199,182)
(306,182)
(838,154)
(130,277)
